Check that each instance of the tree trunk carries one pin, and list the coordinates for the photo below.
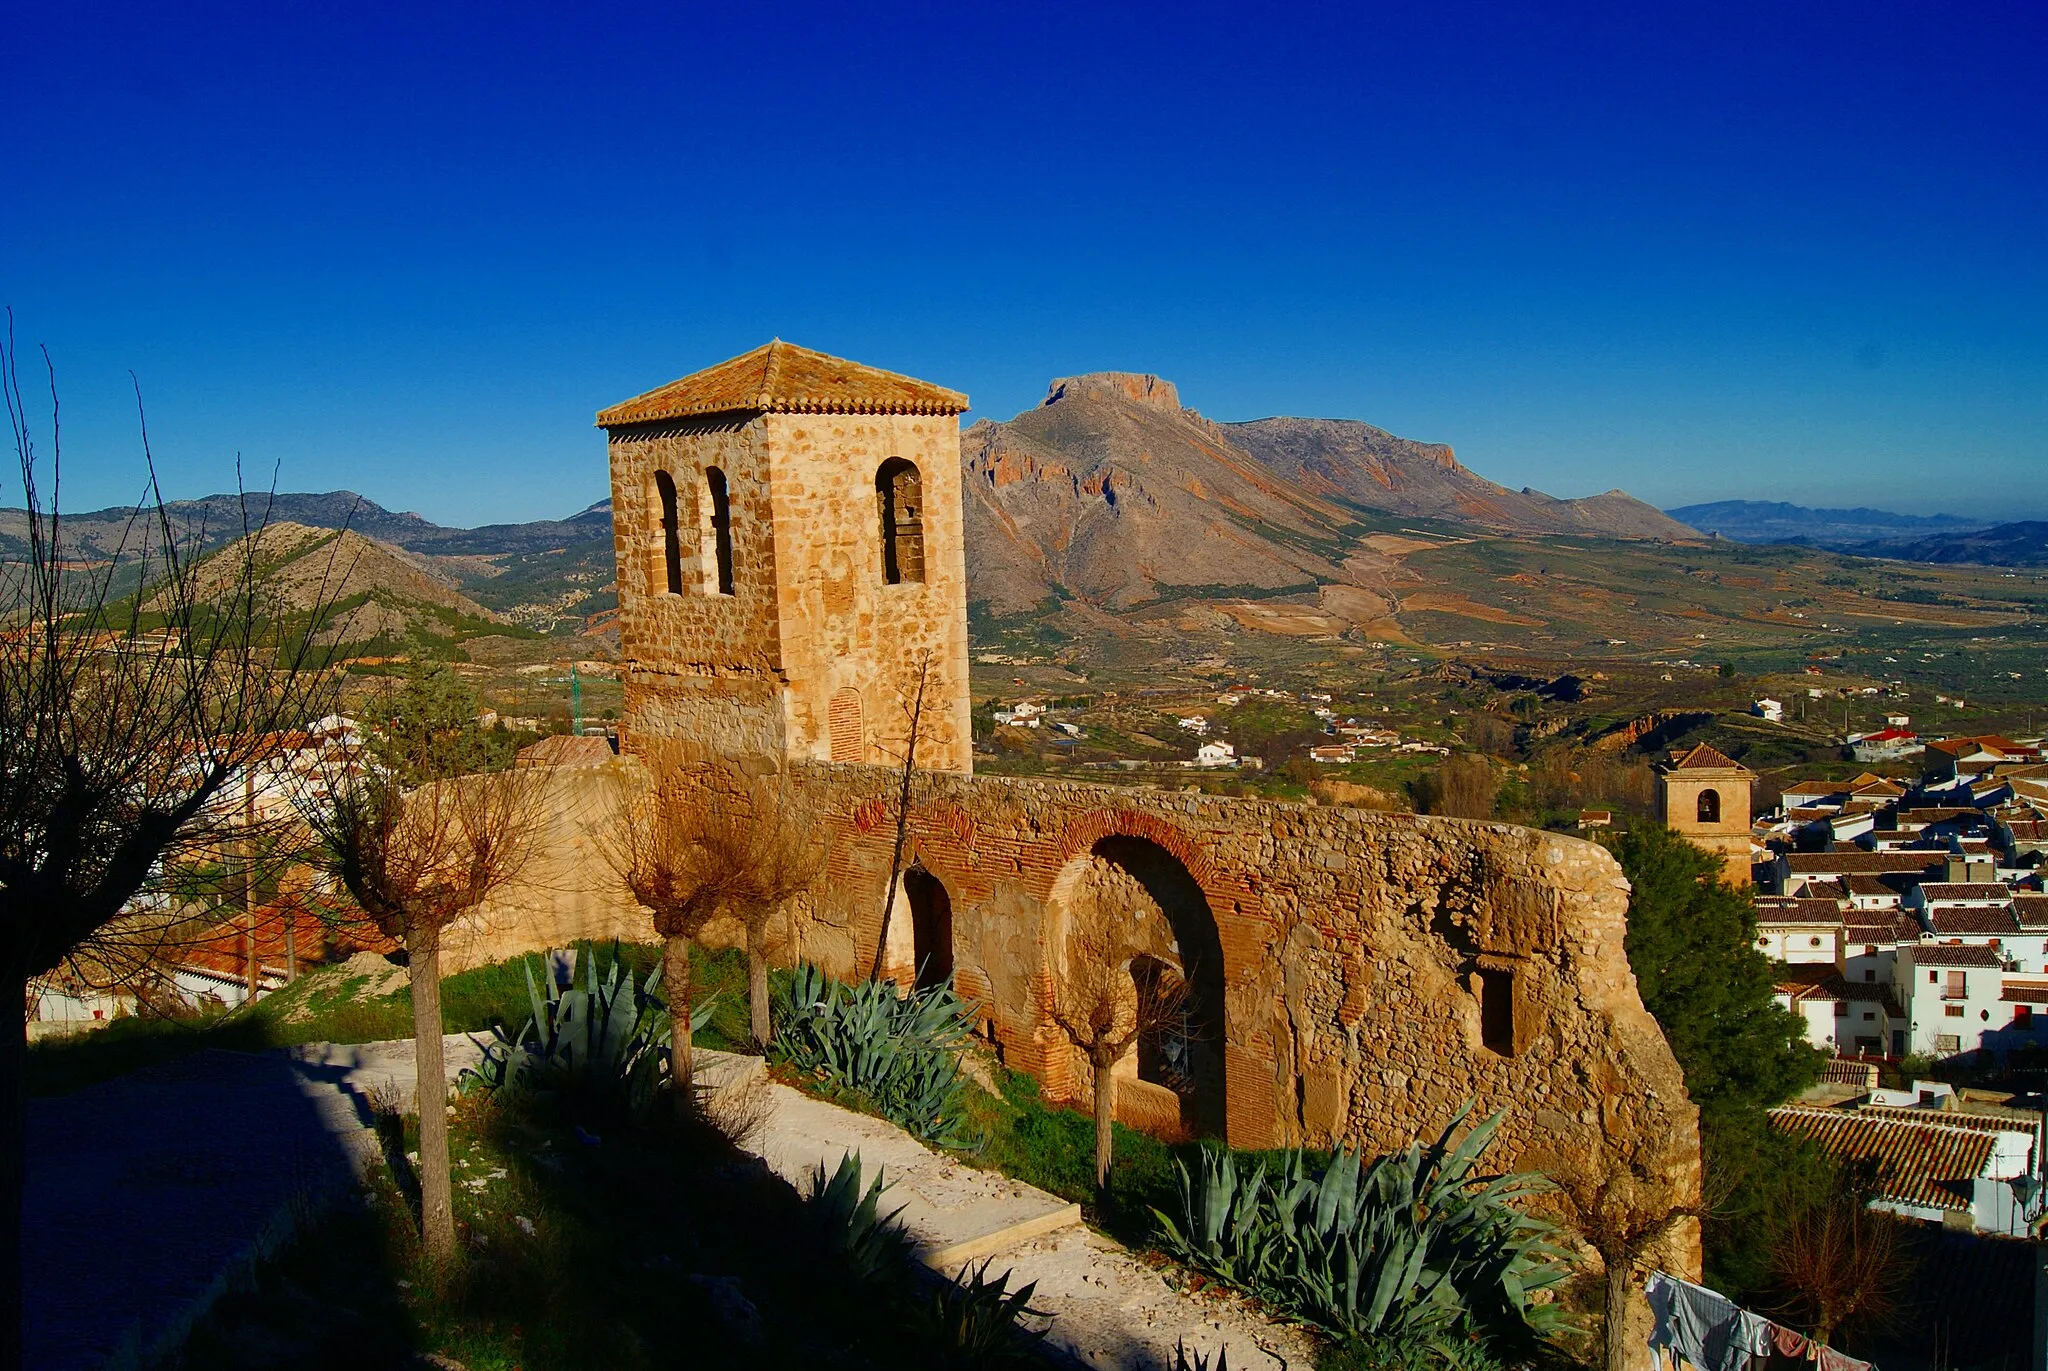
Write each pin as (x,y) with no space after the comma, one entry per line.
(437,1202)
(13,1140)
(675,969)
(757,989)
(1616,1356)
(1105,1126)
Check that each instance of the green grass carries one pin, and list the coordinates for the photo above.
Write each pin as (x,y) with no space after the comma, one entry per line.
(322,1006)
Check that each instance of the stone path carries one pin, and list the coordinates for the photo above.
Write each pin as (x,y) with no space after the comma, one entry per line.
(1109,1310)
(148,1194)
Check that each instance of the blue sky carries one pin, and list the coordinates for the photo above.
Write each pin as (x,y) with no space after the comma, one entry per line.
(1774,252)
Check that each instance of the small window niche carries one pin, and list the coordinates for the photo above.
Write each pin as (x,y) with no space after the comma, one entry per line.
(671,532)
(1494,983)
(899,497)
(715,524)
(1710,806)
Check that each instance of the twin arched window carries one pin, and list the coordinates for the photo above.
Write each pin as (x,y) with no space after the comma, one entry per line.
(714,532)
(899,497)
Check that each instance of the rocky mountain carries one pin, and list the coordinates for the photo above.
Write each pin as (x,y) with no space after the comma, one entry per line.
(1367,466)
(1111,492)
(1773,521)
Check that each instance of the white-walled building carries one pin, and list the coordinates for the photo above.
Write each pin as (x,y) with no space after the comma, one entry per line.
(1949,993)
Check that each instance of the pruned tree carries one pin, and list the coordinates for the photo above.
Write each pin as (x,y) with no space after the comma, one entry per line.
(668,853)
(120,728)
(416,858)
(1104,1008)
(688,861)
(1836,1259)
(1624,1208)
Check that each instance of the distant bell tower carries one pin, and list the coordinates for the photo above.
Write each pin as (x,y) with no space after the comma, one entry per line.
(1704,797)
(788,532)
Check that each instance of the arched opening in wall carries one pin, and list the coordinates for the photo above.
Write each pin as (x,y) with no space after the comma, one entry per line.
(1187,1056)
(716,524)
(844,723)
(899,496)
(931,927)
(671,532)
(1710,806)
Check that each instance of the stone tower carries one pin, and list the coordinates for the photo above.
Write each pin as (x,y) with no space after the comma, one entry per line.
(788,533)
(1704,797)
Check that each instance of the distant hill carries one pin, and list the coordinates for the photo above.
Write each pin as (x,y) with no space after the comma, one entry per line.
(376,592)
(1111,492)
(2017,544)
(1771,521)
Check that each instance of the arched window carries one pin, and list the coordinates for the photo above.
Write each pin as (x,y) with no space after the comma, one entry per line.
(671,535)
(716,524)
(1710,806)
(899,494)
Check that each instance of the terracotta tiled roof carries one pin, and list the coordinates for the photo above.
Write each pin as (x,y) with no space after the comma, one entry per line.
(2031,911)
(1920,1163)
(1703,757)
(1820,981)
(1817,889)
(1779,909)
(564,750)
(786,379)
(1944,954)
(1860,884)
(2024,994)
(1859,862)
(1938,891)
(1953,919)
(1840,1071)
(2009,1121)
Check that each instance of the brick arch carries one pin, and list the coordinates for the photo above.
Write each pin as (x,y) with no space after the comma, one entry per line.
(1227,891)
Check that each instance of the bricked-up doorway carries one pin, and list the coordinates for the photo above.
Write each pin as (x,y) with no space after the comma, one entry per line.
(1189,1061)
(931,927)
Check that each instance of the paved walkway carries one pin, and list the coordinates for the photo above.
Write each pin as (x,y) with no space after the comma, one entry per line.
(1108,1308)
(148,1194)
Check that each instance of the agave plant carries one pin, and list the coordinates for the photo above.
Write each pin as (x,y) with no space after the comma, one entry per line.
(868,1246)
(902,1052)
(601,1046)
(975,1323)
(1412,1246)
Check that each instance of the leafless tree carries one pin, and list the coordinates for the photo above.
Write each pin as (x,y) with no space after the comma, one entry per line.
(670,854)
(415,860)
(1464,787)
(120,727)
(687,860)
(1103,1008)
(924,670)
(1838,1259)
(1623,1211)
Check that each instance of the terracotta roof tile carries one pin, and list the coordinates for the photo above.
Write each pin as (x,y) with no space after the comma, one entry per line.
(2031,911)
(1704,757)
(787,379)
(1945,954)
(2008,1121)
(1860,862)
(1954,920)
(1780,909)
(1920,1163)
(1939,891)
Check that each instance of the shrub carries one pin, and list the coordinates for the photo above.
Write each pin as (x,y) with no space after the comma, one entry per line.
(899,1052)
(1413,1247)
(977,1322)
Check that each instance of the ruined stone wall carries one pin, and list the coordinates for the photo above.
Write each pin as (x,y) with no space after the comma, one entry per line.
(844,629)
(1359,951)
